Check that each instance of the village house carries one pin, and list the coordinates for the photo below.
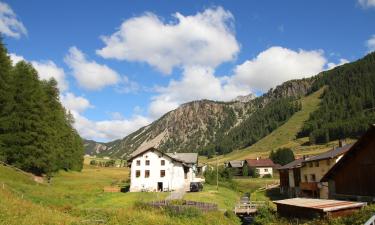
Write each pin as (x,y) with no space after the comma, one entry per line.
(314,168)
(262,166)
(153,170)
(237,166)
(290,178)
(353,177)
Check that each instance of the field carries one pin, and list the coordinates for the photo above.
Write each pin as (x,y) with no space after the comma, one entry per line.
(284,136)
(78,198)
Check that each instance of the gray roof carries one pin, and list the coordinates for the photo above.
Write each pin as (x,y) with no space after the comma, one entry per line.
(236,163)
(330,154)
(294,164)
(184,157)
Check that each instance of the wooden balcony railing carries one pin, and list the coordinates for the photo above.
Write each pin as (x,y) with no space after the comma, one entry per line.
(309,186)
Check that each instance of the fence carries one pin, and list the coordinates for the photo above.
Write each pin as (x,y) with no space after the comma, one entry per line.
(181,205)
(371,221)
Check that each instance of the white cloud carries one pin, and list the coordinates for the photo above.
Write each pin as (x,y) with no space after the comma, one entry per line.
(205,39)
(9,24)
(89,74)
(367,3)
(276,65)
(197,83)
(107,129)
(127,86)
(75,103)
(332,65)
(46,70)
(370,43)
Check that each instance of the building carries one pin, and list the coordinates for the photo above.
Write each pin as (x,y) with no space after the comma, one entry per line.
(314,168)
(353,177)
(311,208)
(153,170)
(290,178)
(237,166)
(262,166)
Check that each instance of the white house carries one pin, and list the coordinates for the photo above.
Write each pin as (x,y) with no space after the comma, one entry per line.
(263,166)
(153,170)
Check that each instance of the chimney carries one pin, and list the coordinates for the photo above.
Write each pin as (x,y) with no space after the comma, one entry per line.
(341,143)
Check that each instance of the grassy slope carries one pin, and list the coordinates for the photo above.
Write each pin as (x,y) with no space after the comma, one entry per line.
(77,198)
(284,136)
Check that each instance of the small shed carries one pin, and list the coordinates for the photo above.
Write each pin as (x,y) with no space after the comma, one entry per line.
(310,208)
(237,166)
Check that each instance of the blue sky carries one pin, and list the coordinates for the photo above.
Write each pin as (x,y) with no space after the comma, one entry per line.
(120,64)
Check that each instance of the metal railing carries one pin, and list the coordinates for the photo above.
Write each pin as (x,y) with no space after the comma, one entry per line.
(371,221)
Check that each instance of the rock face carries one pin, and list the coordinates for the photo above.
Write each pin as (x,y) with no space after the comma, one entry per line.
(194,125)
(94,148)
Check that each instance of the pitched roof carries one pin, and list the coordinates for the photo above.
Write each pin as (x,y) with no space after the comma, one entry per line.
(184,157)
(236,163)
(355,148)
(180,157)
(294,164)
(329,154)
(260,163)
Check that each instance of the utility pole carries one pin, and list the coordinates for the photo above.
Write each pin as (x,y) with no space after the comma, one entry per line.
(217,173)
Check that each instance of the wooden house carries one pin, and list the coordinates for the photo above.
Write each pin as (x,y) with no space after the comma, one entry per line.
(290,178)
(237,166)
(353,177)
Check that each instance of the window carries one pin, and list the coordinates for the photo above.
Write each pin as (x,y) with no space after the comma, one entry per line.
(147,173)
(147,162)
(313,178)
(305,178)
(162,162)
(137,173)
(328,162)
(265,170)
(317,163)
(310,164)
(162,173)
(138,162)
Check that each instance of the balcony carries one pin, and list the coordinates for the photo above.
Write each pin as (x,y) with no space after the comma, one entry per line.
(309,186)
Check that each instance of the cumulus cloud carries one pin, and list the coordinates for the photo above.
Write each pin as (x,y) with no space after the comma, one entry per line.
(89,74)
(276,65)
(9,24)
(203,39)
(332,65)
(196,83)
(366,3)
(75,103)
(46,70)
(108,129)
(370,43)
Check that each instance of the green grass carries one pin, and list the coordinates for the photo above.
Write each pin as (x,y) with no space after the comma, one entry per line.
(78,198)
(224,197)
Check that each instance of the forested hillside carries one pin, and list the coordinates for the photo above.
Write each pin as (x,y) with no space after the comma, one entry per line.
(348,104)
(36,133)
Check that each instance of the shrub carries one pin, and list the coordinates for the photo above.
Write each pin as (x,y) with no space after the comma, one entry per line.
(267,176)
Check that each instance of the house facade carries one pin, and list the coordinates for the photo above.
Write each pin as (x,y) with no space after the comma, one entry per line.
(314,168)
(153,170)
(353,177)
(262,166)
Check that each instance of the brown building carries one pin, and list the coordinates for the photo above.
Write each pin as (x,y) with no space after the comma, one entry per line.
(353,177)
(237,166)
(290,178)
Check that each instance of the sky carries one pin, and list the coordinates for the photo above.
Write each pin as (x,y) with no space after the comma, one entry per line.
(122,64)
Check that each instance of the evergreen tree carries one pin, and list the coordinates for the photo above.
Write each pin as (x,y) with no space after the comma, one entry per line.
(282,156)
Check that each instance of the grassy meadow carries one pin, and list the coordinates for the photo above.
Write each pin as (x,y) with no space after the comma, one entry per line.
(78,198)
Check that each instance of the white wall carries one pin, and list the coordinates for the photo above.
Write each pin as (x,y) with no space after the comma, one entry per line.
(264,170)
(174,173)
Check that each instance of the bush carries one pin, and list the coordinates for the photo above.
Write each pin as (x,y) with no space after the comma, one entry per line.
(267,176)
(282,156)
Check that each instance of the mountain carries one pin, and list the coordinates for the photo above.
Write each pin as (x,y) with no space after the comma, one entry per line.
(195,126)
(347,107)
